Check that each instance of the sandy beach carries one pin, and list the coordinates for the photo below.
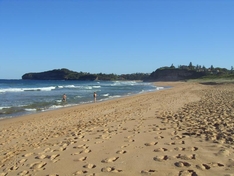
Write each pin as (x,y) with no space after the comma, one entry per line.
(186,130)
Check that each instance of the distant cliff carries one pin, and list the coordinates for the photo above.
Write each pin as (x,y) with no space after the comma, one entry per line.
(174,74)
(59,74)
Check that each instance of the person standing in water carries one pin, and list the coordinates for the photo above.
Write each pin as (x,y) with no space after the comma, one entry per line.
(64,99)
(94,96)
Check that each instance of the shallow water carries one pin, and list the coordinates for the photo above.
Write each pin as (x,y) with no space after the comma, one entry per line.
(19,97)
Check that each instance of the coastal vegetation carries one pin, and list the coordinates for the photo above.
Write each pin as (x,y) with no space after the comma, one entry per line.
(192,72)
(65,74)
(167,73)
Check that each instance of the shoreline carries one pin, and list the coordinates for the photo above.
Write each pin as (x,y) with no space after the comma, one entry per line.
(54,104)
(154,133)
(77,105)
(81,105)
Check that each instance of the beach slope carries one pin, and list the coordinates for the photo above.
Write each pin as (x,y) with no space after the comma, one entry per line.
(186,130)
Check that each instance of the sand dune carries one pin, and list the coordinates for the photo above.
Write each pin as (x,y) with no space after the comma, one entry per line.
(186,130)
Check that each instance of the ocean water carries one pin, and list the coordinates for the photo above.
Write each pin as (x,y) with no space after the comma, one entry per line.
(20,97)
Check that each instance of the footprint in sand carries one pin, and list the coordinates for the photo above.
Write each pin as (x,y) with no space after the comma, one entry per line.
(62,149)
(162,158)
(230,163)
(85,151)
(151,144)
(121,152)
(186,149)
(27,155)
(163,128)
(80,147)
(80,159)
(223,152)
(41,157)
(177,137)
(203,166)
(109,160)
(80,172)
(22,161)
(38,165)
(46,150)
(191,148)
(89,166)
(64,145)
(216,164)
(105,136)
(98,137)
(160,150)
(156,129)
(187,157)
(159,137)
(182,164)
(124,146)
(23,173)
(98,142)
(80,137)
(148,172)
(188,173)
(131,136)
(176,143)
(53,157)
(13,168)
(110,169)
(130,140)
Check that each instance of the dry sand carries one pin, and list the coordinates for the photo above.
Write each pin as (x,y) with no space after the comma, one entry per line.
(186,130)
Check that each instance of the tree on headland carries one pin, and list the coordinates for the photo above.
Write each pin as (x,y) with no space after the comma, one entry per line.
(190,66)
(211,67)
(172,66)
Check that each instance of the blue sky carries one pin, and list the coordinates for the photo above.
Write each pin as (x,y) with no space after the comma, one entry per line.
(114,36)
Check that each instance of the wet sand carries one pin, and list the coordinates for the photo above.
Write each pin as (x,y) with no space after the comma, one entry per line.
(186,130)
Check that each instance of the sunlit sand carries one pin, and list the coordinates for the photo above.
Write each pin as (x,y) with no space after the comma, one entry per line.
(186,130)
